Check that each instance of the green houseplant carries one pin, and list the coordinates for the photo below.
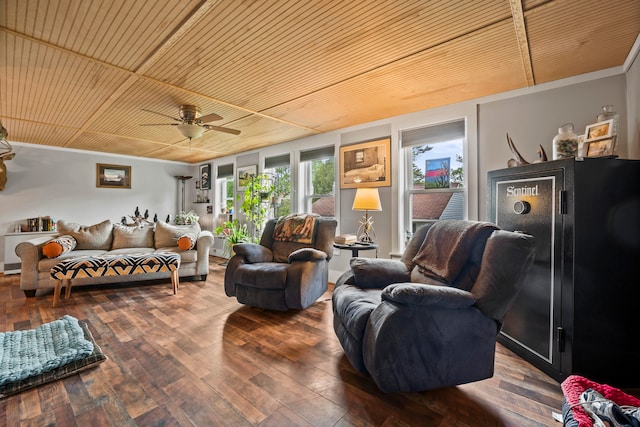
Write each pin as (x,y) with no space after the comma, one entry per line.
(256,202)
(233,232)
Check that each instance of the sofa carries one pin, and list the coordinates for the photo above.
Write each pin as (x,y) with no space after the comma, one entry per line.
(40,254)
(431,319)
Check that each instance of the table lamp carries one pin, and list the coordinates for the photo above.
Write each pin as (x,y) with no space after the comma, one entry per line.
(367,199)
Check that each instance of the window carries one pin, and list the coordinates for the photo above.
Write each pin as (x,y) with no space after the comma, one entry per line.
(318,174)
(225,186)
(278,171)
(434,187)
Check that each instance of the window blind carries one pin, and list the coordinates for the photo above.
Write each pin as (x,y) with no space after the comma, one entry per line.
(225,171)
(434,134)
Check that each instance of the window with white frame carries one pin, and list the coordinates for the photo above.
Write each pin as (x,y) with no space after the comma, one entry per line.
(225,187)
(318,174)
(278,171)
(435,174)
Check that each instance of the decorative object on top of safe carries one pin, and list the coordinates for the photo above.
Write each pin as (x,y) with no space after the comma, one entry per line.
(565,143)
(608,113)
(517,159)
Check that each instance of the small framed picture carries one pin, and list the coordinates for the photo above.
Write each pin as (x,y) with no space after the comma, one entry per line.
(245,173)
(599,130)
(601,147)
(366,164)
(205,175)
(113,176)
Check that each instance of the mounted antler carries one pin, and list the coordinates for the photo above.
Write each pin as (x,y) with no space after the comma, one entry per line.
(517,160)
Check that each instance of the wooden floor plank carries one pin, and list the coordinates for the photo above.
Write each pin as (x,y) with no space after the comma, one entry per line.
(200,358)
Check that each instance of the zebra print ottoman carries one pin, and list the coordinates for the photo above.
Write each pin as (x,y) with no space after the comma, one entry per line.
(113,265)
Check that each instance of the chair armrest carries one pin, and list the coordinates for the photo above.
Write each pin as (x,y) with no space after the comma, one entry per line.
(378,272)
(428,295)
(204,241)
(307,254)
(253,253)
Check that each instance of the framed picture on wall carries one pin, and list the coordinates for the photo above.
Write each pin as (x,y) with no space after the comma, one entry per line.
(245,173)
(366,164)
(205,177)
(113,176)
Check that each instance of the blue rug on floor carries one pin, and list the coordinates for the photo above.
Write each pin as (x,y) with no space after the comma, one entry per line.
(25,354)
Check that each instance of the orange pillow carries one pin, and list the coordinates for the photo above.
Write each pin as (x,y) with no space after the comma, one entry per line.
(186,242)
(58,246)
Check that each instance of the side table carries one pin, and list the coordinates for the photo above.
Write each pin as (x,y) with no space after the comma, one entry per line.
(356,247)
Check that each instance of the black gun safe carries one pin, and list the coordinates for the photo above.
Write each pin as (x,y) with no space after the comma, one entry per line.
(578,311)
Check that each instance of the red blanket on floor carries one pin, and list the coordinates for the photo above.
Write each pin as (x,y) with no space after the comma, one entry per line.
(573,387)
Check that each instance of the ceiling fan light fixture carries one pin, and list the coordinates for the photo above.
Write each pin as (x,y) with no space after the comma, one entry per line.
(191,131)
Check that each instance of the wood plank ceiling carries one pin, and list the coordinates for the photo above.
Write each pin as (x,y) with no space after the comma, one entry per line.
(77,73)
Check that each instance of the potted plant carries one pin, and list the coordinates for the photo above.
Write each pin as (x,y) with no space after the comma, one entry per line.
(186,218)
(256,203)
(233,232)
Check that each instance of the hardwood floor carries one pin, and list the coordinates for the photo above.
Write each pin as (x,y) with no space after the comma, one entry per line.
(200,358)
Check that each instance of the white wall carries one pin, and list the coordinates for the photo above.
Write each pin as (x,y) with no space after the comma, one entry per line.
(62,184)
(533,119)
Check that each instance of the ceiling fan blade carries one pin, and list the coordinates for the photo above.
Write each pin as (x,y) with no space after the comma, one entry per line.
(160,124)
(222,129)
(161,114)
(211,117)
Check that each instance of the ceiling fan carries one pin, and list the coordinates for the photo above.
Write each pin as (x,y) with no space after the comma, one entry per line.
(191,123)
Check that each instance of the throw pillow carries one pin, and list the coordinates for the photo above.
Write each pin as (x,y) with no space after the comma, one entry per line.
(96,237)
(132,237)
(186,242)
(58,246)
(167,235)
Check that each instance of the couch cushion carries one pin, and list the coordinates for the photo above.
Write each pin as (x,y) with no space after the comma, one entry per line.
(58,246)
(45,264)
(185,256)
(132,237)
(131,251)
(265,275)
(167,235)
(97,236)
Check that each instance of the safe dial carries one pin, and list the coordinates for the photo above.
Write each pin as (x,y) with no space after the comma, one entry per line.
(521,207)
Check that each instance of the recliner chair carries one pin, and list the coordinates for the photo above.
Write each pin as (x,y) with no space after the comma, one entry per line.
(281,273)
(431,319)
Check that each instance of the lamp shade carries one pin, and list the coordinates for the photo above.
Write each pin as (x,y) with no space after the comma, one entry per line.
(191,131)
(367,199)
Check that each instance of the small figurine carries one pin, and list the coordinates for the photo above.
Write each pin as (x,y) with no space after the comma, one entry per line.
(542,155)
(146,214)
(155,217)
(137,212)
(168,219)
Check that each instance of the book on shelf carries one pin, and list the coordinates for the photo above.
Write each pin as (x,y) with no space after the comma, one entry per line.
(345,239)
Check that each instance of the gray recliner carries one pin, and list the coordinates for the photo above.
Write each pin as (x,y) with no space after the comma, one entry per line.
(281,274)
(431,319)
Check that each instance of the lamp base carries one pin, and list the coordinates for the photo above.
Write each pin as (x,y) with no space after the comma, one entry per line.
(366,230)
(365,240)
